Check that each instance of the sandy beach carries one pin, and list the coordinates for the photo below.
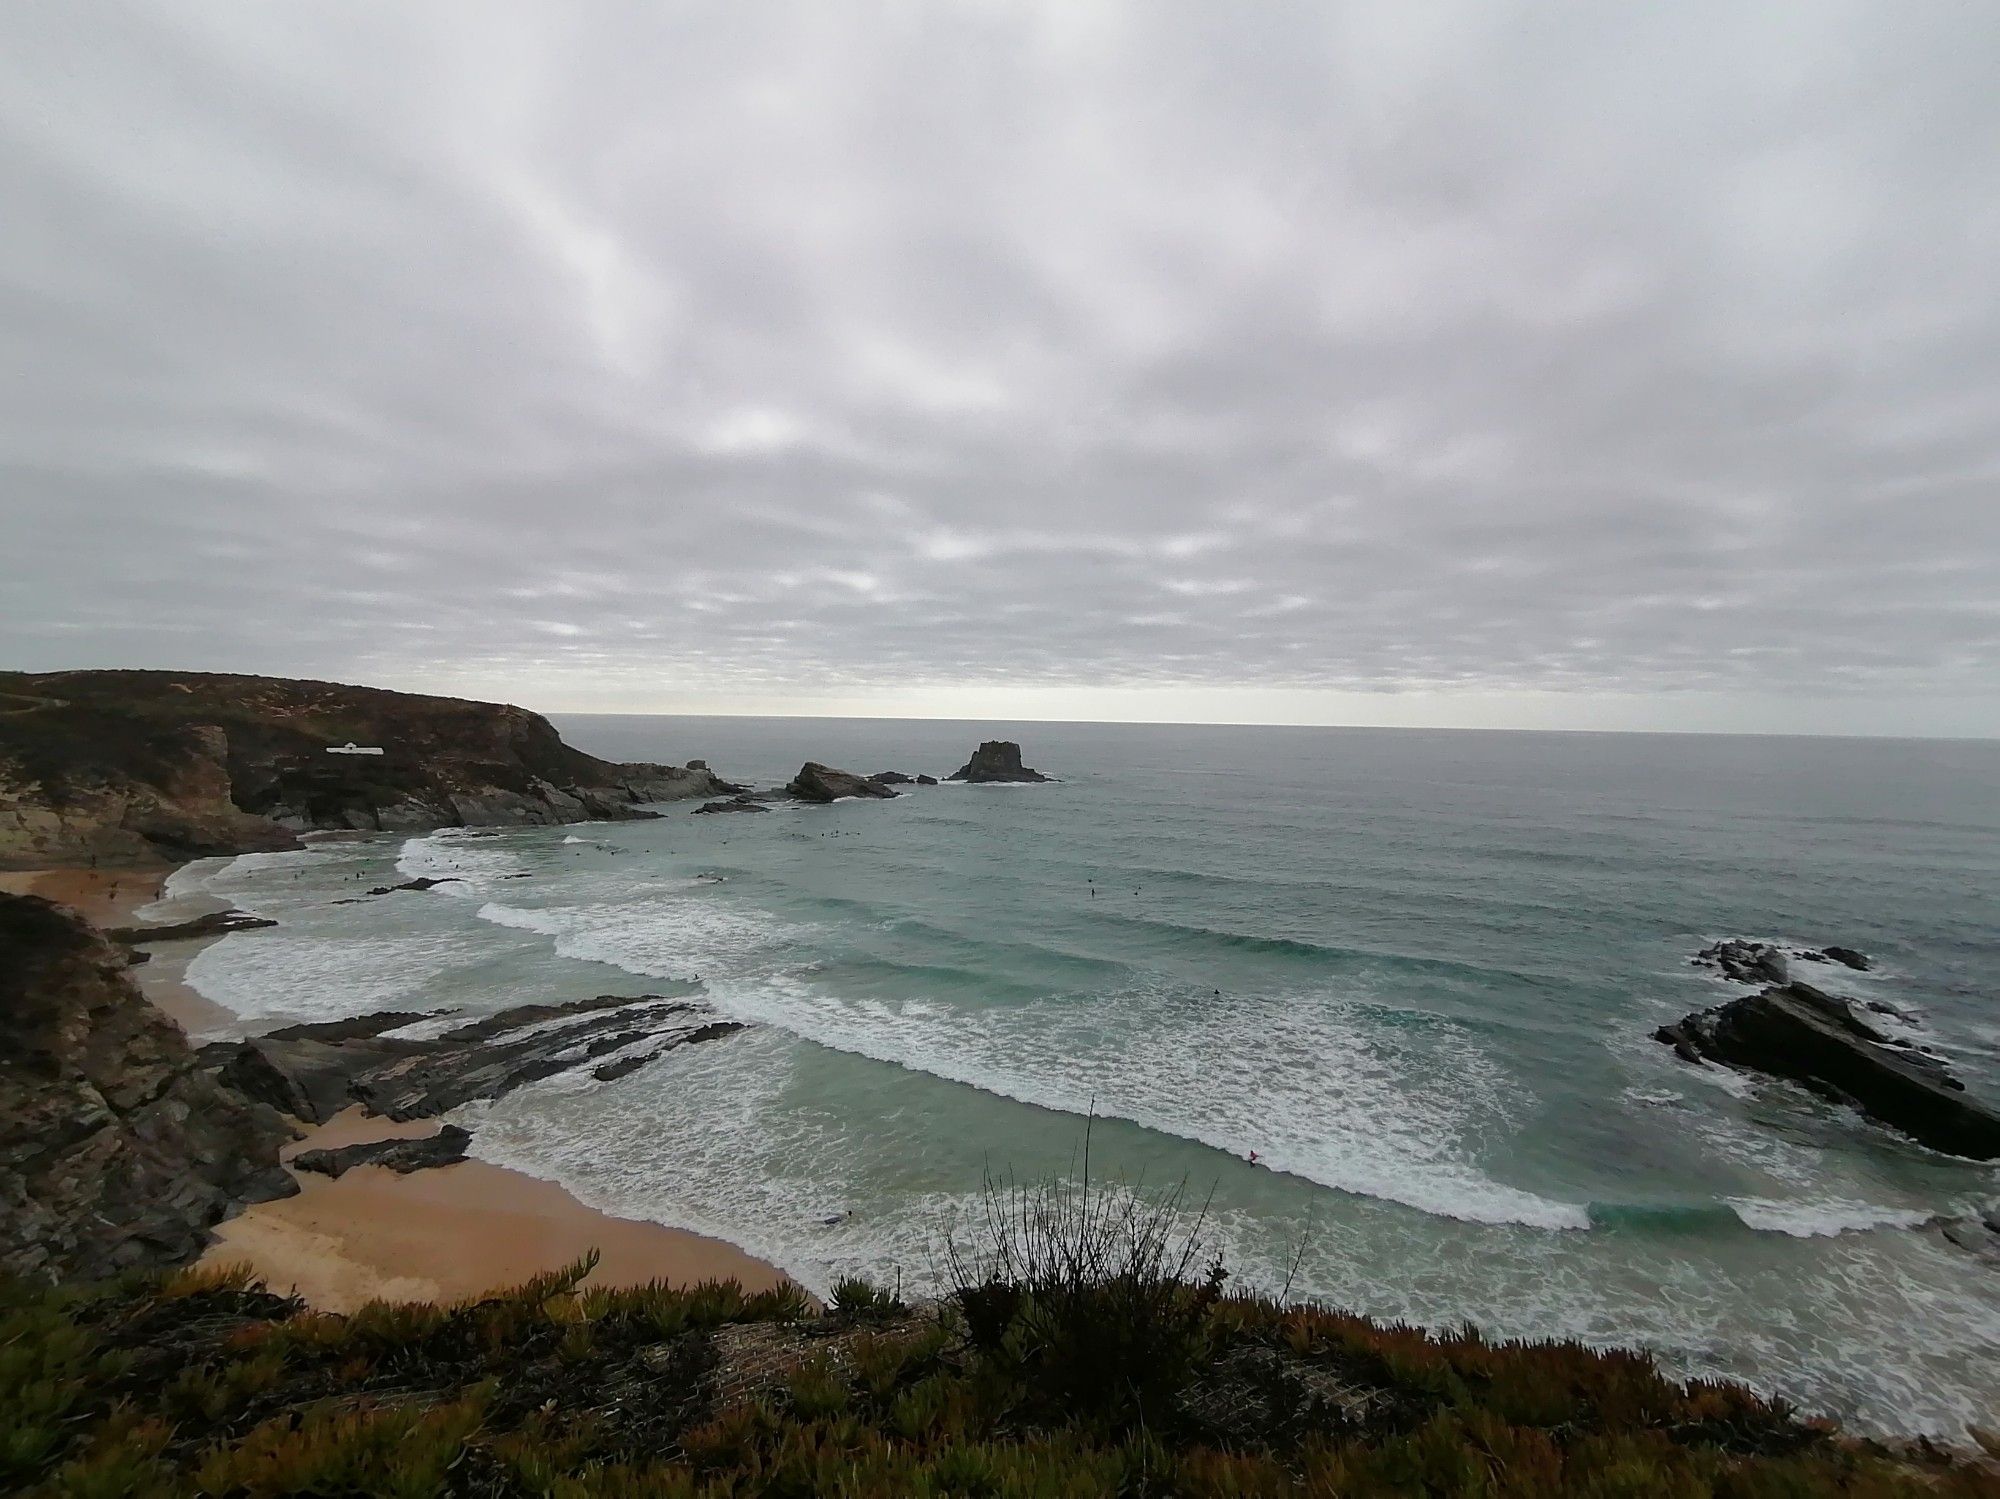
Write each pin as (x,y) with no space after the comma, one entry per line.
(450,1233)
(443,1234)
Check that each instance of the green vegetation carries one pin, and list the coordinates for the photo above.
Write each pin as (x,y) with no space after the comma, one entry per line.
(200,1383)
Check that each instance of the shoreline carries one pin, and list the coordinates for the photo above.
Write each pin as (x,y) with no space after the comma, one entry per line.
(444,1234)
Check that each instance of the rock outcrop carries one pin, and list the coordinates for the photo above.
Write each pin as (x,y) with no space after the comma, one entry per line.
(312,1072)
(213,924)
(924,780)
(743,803)
(117,1149)
(130,767)
(445,1148)
(996,760)
(819,783)
(1748,962)
(891,778)
(1797,1032)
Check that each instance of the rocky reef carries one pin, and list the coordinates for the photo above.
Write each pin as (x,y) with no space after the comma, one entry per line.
(996,760)
(313,1072)
(445,1148)
(820,783)
(128,767)
(1803,1034)
(1748,962)
(117,1148)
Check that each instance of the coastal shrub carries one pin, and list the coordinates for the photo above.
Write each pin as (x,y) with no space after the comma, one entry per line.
(164,1388)
(1085,1294)
(856,1297)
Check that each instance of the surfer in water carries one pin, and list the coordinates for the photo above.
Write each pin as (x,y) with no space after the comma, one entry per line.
(1252,1158)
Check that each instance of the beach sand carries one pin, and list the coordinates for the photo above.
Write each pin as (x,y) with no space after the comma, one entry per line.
(443,1234)
(450,1232)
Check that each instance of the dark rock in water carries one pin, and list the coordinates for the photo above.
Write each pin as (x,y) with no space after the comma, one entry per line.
(1798,1032)
(421,882)
(118,1150)
(214,924)
(744,803)
(715,1030)
(891,778)
(445,1148)
(134,956)
(924,780)
(1746,962)
(1978,1232)
(996,760)
(819,783)
(1855,960)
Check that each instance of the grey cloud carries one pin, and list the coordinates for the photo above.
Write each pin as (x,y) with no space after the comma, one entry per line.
(1506,348)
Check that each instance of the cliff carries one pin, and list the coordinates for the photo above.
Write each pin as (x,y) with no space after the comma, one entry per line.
(117,1148)
(132,766)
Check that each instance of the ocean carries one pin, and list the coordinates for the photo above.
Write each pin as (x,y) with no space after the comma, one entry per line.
(1416,972)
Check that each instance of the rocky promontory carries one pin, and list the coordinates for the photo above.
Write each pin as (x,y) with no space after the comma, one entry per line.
(117,1147)
(1797,1032)
(996,760)
(126,767)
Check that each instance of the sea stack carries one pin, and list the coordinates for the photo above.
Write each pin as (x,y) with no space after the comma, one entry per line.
(996,760)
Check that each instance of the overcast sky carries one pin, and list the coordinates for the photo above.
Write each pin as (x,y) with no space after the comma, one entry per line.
(1589,366)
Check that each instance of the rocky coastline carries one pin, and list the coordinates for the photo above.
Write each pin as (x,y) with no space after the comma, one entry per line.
(1802,1034)
(138,767)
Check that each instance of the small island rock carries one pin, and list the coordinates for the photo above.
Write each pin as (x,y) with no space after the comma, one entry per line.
(820,783)
(996,760)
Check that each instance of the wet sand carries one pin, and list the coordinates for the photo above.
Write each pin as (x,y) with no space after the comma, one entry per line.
(443,1234)
(450,1232)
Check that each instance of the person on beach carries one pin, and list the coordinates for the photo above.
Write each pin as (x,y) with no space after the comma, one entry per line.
(1252,1158)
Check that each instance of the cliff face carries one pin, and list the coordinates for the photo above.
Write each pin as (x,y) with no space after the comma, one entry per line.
(116,1148)
(125,766)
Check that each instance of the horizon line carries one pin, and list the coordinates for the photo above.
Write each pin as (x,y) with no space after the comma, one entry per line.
(1363,728)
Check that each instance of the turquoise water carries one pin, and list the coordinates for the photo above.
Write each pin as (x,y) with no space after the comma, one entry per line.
(1416,972)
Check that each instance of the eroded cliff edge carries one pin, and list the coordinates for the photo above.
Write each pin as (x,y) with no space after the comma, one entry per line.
(131,766)
(118,1149)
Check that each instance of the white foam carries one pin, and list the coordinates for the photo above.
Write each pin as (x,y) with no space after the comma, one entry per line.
(286,973)
(665,932)
(1305,1082)
(1811,1220)
(471,865)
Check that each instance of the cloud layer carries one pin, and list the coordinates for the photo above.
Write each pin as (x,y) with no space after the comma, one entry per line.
(830,350)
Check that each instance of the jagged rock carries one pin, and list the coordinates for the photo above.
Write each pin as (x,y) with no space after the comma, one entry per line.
(421,882)
(818,783)
(117,1149)
(214,924)
(996,760)
(445,1148)
(924,780)
(715,1030)
(134,766)
(1798,1032)
(313,1072)
(1745,962)
(891,778)
(1847,955)
(745,803)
